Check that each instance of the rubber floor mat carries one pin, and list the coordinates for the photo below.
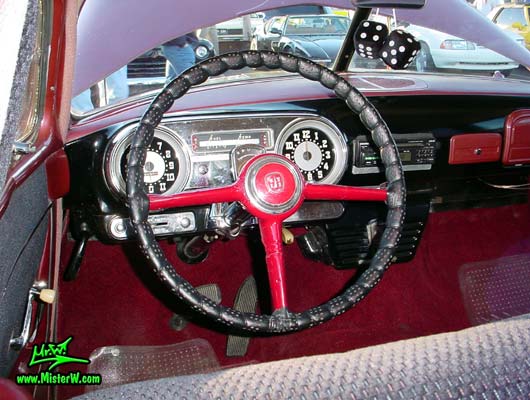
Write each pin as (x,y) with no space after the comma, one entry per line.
(496,289)
(124,364)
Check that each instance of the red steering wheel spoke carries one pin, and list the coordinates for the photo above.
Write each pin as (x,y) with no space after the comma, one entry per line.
(196,198)
(344,193)
(271,237)
(271,188)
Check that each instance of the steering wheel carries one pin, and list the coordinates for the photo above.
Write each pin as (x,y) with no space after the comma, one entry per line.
(271,188)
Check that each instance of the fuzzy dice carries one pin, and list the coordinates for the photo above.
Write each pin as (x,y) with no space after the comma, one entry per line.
(369,38)
(399,49)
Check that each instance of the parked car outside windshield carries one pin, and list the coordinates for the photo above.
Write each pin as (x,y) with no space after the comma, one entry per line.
(513,17)
(320,36)
(234,29)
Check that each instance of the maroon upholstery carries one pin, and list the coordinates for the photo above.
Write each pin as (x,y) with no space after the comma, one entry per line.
(9,390)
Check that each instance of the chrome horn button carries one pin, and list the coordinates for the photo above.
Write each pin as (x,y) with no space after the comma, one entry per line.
(273,184)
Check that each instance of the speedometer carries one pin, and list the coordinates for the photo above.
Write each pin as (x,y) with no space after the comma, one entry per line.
(167,163)
(317,147)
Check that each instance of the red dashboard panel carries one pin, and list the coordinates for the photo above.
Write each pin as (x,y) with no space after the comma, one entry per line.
(471,148)
(517,138)
(58,175)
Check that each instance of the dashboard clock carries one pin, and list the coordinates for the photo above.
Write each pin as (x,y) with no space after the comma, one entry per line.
(317,147)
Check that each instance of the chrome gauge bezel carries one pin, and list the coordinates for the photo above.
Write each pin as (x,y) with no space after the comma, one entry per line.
(122,140)
(334,134)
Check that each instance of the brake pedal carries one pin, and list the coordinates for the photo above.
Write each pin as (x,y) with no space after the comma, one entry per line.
(246,301)
(178,322)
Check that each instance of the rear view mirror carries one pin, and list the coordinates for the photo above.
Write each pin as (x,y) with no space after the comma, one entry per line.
(275,31)
(389,3)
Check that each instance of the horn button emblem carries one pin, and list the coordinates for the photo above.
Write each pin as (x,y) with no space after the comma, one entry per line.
(273,184)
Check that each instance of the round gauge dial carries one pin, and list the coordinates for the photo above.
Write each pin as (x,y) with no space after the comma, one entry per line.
(316,147)
(161,167)
(167,164)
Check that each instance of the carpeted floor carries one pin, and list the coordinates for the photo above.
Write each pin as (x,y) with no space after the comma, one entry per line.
(109,303)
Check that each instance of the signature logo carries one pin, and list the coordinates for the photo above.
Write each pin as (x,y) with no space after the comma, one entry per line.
(54,353)
(274,182)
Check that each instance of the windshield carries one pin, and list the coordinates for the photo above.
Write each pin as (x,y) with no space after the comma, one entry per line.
(316,25)
(317,36)
(509,16)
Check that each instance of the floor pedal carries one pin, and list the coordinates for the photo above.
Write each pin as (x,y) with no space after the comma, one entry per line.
(246,301)
(212,291)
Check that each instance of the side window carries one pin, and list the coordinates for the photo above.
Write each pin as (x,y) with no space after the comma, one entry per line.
(277,24)
(508,16)
(28,127)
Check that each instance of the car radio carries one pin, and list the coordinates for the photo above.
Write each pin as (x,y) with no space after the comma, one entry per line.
(417,152)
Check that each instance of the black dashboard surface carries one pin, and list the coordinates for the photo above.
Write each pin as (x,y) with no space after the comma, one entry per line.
(442,186)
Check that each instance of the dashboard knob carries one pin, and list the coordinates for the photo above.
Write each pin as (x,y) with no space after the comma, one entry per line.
(203,169)
(185,222)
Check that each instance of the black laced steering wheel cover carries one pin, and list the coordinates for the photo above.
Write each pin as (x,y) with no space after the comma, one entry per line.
(138,201)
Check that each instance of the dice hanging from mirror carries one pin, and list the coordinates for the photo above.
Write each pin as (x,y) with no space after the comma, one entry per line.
(369,39)
(397,49)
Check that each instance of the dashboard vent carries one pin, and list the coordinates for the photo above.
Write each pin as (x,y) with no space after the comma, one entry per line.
(355,246)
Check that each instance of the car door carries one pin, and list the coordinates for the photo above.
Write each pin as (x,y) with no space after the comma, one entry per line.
(28,206)
(273,33)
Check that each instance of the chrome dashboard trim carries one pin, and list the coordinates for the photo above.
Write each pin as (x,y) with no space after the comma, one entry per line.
(268,131)
(295,114)
(376,170)
(121,139)
(120,228)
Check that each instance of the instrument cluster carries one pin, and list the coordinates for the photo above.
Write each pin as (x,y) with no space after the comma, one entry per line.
(194,153)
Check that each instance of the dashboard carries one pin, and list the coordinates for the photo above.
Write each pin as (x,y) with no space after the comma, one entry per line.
(437,138)
(204,152)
